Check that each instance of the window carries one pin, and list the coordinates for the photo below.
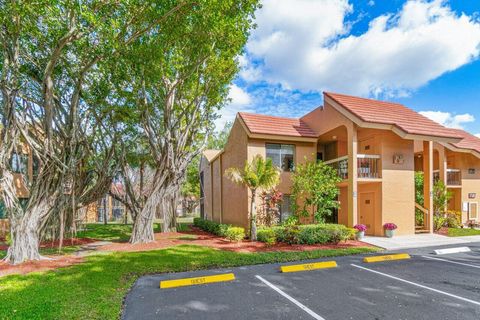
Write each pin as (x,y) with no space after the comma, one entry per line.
(285,208)
(282,155)
(19,163)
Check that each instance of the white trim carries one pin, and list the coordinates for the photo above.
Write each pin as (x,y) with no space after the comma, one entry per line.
(418,285)
(368,156)
(298,304)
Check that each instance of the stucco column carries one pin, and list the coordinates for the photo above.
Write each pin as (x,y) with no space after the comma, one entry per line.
(428,181)
(352,177)
(442,164)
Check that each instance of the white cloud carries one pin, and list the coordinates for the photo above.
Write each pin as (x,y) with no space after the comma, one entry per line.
(371,3)
(306,45)
(240,100)
(448,119)
(477,135)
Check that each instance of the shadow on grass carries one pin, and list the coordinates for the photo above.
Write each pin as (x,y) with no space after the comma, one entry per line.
(95,288)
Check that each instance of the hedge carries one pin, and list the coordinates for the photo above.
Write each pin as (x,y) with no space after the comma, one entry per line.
(211,226)
(306,234)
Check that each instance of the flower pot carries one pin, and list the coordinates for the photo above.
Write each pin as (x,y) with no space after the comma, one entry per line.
(389,233)
(360,235)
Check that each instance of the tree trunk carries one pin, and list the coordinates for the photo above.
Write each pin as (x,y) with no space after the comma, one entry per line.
(253,217)
(105,214)
(169,208)
(25,237)
(143,224)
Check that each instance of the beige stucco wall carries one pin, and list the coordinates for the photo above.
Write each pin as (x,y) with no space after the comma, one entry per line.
(470,182)
(398,185)
(234,197)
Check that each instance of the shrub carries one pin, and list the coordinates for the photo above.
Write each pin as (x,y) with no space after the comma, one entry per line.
(216,228)
(267,235)
(235,233)
(307,234)
(312,234)
(438,222)
(454,219)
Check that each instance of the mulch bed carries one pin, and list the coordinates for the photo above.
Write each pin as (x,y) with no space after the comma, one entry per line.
(40,265)
(443,231)
(54,244)
(165,240)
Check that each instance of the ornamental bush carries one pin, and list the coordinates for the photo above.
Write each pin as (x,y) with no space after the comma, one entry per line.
(267,236)
(307,234)
(235,233)
(216,228)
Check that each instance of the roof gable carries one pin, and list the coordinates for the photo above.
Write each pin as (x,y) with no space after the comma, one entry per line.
(389,113)
(469,141)
(263,124)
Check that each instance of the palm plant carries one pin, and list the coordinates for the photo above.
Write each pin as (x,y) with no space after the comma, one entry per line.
(259,174)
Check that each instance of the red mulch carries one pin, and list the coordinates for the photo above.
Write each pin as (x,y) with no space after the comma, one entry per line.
(41,265)
(165,240)
(54,244)
(443,231)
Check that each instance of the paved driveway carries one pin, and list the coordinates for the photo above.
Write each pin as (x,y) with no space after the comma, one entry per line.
(424,287)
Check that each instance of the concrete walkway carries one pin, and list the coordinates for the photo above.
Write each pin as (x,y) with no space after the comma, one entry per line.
(418,241)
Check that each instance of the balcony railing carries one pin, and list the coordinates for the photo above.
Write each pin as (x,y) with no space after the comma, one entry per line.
(367,166)
(454,177)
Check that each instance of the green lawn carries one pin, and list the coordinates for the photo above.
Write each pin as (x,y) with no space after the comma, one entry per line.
(121,232)
(49,251)
(460,232)
(95,289)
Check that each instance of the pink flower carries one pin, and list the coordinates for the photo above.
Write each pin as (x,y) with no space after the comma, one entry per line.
(390,226)
(360,227)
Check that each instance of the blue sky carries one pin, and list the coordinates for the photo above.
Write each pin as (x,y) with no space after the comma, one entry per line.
(424,54)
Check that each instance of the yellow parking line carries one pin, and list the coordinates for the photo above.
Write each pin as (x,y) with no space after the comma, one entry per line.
(389,257)
(196,281)
(309,266)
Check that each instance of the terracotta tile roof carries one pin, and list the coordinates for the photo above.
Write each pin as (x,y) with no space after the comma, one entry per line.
(469,141)
(390,113)
(210,154)
(263,124)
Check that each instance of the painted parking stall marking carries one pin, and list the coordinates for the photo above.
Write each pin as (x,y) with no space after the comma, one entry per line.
(453,262)
(308,266)
(418,285)
(388,257)
(196,281)
(291,299)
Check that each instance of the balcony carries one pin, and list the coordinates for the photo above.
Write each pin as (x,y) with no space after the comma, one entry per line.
(454,177)
(368,166)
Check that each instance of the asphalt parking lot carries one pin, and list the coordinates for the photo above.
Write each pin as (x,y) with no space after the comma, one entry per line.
(426,286)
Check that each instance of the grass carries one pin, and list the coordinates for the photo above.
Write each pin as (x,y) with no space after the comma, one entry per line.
(49,251)
(95,289)
(460,232)
(120,232)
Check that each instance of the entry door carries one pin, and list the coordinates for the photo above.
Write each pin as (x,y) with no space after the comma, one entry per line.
(367,210)
(473,211)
